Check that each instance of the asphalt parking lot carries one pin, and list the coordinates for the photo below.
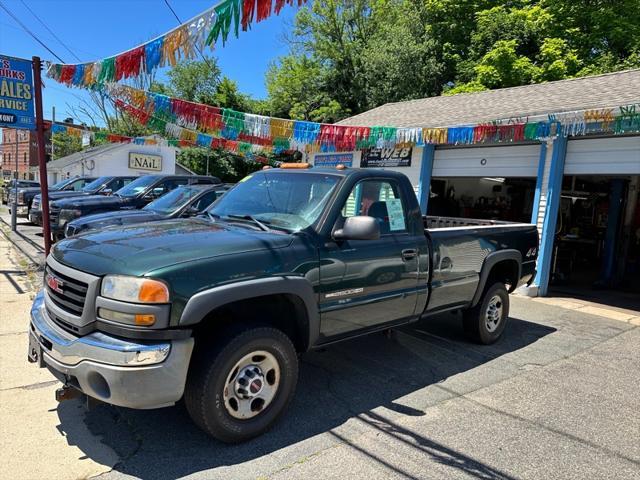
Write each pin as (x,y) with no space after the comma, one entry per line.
(557,397)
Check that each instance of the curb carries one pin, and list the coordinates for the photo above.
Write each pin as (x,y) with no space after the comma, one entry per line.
(33,254)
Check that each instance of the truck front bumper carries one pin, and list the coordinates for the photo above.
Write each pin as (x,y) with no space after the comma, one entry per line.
(114,370)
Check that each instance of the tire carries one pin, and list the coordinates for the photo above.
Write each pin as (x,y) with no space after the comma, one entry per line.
(486,322)
(209,395)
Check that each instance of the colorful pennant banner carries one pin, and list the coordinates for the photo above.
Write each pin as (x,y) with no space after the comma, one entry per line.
(164,112)
(181,43)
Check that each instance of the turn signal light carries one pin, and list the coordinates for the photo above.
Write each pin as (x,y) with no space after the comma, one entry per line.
(152,291)
(145,320)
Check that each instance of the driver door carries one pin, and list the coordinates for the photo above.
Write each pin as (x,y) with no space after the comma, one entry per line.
(367,283)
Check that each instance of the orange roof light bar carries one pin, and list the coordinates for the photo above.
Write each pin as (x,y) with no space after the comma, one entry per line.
(295,165)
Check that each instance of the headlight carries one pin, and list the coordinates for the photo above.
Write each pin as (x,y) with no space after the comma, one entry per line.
(134,289)
(67,215)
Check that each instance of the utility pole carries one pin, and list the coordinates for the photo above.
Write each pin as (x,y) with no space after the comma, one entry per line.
(208,162)
(14,210)
(53,122)
(42,159)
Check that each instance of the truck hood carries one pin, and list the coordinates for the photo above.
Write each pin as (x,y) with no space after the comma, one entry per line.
(118,217)
(56,195)
(138,249)
(91,201)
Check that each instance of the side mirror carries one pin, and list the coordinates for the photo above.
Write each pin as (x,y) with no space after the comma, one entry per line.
(154,193)
(358,228)
(191,212)
(106,191)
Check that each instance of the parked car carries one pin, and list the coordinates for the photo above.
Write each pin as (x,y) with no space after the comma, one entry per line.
(100,186)
(26,195)
(10,185)
(216,308)
(135,195)
(184,201)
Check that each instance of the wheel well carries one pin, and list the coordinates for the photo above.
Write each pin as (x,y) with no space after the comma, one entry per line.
(285,312)
(505,271)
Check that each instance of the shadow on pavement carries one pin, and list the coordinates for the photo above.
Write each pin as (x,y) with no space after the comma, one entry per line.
(344,381)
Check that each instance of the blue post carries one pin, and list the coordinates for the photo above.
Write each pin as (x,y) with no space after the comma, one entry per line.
(536,198)
(613,221)
(551,215)
(424,186)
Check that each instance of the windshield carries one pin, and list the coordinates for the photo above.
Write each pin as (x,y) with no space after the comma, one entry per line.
(137,186)
(60,185)
(96,184)
(290,200)
(173,200)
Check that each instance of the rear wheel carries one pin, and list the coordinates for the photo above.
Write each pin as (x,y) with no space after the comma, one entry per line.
(486,322)
(239,386)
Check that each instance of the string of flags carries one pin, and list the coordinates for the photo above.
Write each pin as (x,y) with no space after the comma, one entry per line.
(181,43)
(169,114)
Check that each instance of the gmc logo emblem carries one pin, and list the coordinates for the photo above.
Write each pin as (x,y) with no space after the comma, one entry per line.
(54,283)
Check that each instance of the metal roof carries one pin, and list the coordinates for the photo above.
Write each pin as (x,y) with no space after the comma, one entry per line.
(585,93)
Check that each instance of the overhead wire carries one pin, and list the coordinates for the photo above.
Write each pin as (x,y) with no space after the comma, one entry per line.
(24,27)
(49,30)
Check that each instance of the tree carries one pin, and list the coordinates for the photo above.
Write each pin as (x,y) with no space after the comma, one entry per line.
(65,144)
(222,164)
(195,80)
(296,87)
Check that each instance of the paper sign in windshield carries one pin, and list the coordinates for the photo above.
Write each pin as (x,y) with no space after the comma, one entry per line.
(396,215)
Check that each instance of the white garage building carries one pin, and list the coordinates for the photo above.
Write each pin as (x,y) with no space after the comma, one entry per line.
(581,190)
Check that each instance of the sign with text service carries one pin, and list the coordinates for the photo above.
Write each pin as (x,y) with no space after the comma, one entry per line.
(16,93)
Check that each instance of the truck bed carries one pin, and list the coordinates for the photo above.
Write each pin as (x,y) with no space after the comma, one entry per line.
(459,248)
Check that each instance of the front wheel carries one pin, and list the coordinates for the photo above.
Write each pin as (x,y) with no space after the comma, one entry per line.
(238,387)
(486,322)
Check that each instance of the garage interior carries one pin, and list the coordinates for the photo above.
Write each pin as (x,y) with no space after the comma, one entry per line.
(597,237)
(489,198)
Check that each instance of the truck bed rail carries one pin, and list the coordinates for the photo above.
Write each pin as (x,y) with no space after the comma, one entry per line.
(432,222)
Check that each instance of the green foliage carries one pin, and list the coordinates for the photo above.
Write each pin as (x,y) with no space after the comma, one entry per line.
(360,54)
(65,144)
(222,164)
(227,95)
(194,80)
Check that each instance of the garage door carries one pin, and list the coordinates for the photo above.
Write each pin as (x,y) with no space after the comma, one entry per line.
(603,156)
(509,161)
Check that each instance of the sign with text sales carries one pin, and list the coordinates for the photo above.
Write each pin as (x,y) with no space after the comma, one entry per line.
(16,93)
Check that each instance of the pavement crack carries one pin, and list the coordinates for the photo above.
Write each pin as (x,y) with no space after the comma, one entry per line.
(33,386)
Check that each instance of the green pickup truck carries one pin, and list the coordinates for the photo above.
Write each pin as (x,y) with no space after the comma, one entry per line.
(215,309)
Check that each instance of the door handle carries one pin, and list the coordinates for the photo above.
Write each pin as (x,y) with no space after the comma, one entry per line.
(409,253)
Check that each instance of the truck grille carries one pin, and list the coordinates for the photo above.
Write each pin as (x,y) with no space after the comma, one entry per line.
(54,213)
(65,292)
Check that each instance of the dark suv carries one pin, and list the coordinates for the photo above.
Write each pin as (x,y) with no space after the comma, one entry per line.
(10,186)
(27,194)
(136,195)
(100,186)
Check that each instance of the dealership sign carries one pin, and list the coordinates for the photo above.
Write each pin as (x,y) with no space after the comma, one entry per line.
(16,93)
(143,161)
(386,157)
(333,160)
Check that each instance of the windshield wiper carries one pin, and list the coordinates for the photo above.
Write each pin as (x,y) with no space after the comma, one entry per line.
(252,219)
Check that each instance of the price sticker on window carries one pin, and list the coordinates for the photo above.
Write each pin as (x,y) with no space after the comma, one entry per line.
(396,215)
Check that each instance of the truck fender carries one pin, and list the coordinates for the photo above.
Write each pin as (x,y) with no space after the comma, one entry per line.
(489,262)
(202,303)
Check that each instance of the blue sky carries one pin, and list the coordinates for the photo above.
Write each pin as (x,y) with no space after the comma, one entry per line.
(95,29)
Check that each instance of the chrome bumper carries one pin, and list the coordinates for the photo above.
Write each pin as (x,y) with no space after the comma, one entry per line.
(116,371)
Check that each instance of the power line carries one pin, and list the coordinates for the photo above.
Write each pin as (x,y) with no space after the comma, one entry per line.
(180,23)
(49,30)
(10,13)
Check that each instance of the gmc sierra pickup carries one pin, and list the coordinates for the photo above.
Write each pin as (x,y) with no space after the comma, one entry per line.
(217,308)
